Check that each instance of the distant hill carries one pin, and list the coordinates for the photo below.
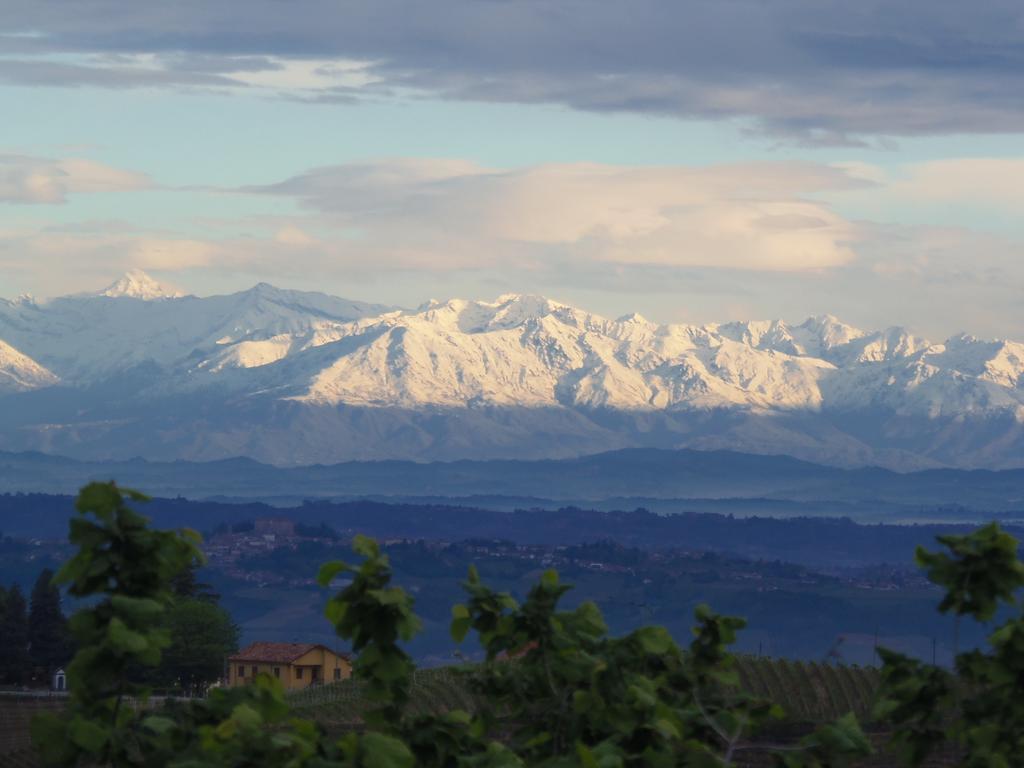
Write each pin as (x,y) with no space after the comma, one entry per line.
(756,483)
(812,541)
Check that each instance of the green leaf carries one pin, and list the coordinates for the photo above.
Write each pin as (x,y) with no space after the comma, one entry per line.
(980,571)
(329,570)
(586,757)
(246,716)
(99,498)
(88,735)
(655,640)
(365,546)
(138,608)
(135,495)
(381,751)
(460,628)
(335,611)
(458,716)
(666,728)
(391,596)
(126,640)
(158,724)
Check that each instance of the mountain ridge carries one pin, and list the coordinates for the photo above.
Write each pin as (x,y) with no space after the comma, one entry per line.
(672,479)
(480,377)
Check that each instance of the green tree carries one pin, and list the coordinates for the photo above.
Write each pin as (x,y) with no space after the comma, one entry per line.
(186,584)
(202,637)
(125,570)
(979,705)
(15,663)
(49,641)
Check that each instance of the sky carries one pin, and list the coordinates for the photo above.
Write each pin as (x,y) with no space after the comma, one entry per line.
(691,160)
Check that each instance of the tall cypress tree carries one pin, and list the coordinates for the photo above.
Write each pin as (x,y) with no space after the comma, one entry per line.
(186,584)
(47,627)
(15,664)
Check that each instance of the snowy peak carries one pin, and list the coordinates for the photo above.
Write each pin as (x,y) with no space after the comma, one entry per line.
(20,373)
(773,335)
(264,300)
(511,310)
(136,322)
(890,344)
(815,337)
(829,331)
(531,351)
(999,362)
(136,284)
(827,338)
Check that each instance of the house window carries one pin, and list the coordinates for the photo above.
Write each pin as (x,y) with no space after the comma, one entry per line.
(298,673)
(277,671)
(255,670)
(241,671)
(337,673)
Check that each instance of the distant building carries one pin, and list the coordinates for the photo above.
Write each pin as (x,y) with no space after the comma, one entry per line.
(275,526)
(296,665)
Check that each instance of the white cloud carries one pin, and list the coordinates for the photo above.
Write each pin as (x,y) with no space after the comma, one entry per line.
(294,236)
(968,182)
(307,74)
(53,261)
(995,181)
(26,179)
(752,216)
(170,254)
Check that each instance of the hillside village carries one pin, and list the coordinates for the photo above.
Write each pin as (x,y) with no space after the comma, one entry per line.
(246,553)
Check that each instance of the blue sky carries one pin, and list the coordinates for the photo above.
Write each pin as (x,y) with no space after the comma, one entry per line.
(693,161)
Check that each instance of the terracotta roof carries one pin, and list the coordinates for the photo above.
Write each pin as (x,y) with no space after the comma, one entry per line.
(283,653)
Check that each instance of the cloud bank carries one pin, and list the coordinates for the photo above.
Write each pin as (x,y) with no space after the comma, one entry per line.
(817,70)
(752,216)
(680,243)
(25,179)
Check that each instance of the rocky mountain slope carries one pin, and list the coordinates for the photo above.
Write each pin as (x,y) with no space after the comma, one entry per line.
(295,377)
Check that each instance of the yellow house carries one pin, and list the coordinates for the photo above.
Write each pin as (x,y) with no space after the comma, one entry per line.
(296,665)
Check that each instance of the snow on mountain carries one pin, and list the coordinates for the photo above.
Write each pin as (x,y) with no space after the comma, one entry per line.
(518,350)
(809,386)
(533,352)
(20,373)
(136,284)
(88,337)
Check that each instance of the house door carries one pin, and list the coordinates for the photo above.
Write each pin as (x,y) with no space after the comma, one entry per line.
(315,674)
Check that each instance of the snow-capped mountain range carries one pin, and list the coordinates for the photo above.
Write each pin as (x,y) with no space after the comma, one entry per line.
(297,377)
